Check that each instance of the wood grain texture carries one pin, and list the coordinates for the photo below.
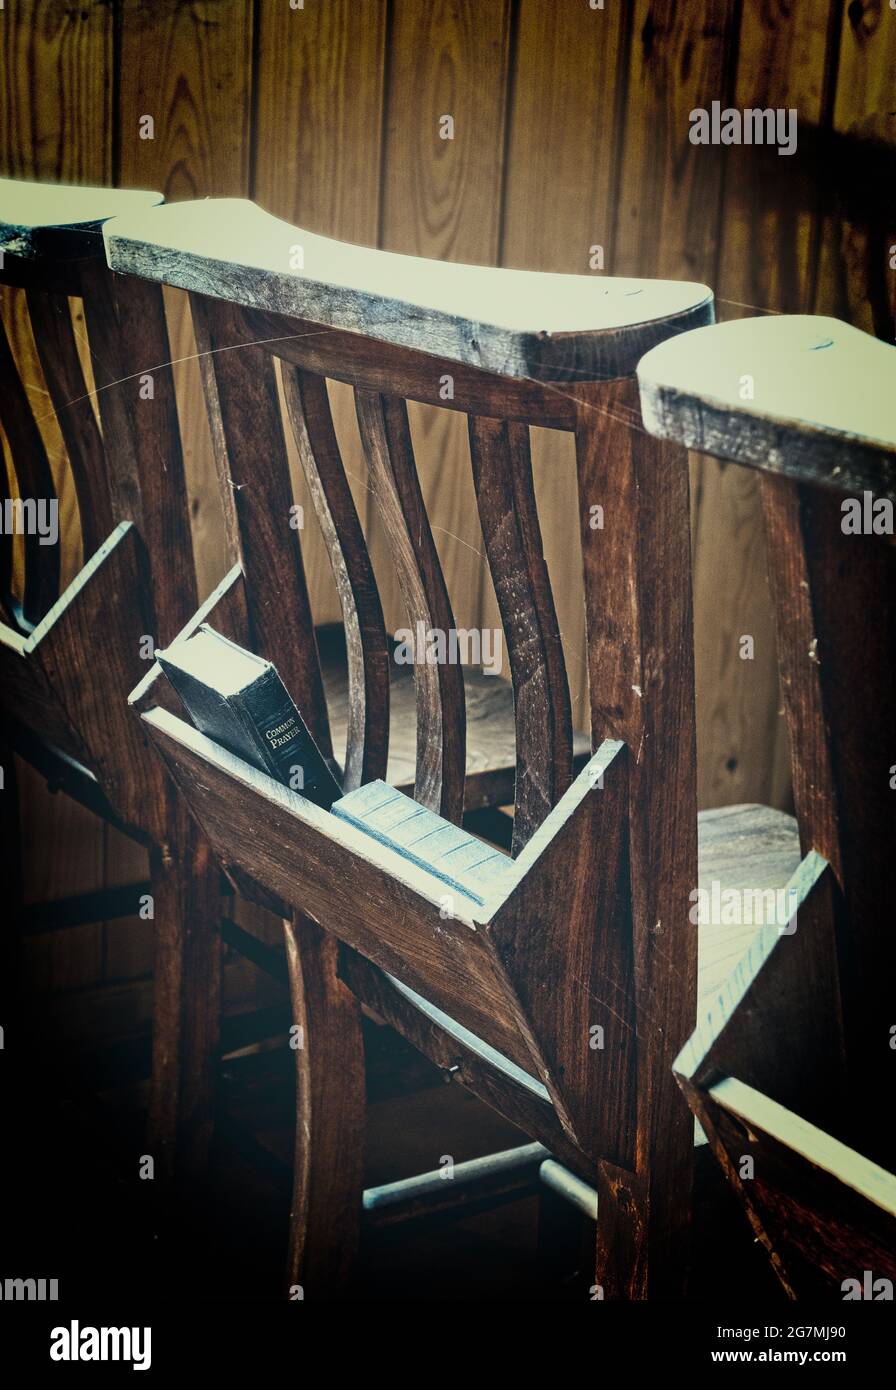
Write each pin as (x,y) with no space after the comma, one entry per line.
(502,473)
(244,413)
(52,326)
(300,854)
(328,1182)
(822,1210)
(319,92)
(825,1214)
(30,478)
(574,969)
(367,650)
(841,734)
(319,109)
(801,395)
(55,94)
(640,647)
(512,322)
(567,77)
(441,712)
(196,89)
(855,279)
(766,263)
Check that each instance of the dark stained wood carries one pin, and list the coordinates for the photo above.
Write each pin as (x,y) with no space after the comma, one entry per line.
(573,968)
(377,903)
(33,480)
(386,368)
(825,1214)
(126,326)
(367,650)
(325,1219)
(818,429)
(441,713)
(502,471)
(53,335)
(72,674)
(253,473)
(463,1057)
(766,1075)
(840,696)
(640,643)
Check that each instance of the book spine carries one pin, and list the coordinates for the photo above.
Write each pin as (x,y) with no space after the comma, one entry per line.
(285,746)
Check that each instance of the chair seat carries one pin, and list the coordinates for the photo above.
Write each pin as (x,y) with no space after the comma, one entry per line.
(749,852)
(491,733)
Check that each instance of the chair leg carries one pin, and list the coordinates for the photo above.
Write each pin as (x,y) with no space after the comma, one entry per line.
(643,1226)
(325,1221)
(185,881)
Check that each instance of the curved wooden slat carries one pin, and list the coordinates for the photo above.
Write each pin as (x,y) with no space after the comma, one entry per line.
(502,474)
(367,743)
(798,394)
(34,480)
(441,714)
(513,322)
(256,491)
(58,352)
(128,340)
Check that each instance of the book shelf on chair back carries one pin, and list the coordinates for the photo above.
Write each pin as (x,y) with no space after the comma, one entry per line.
(68,660)
(792,1066)
(562,1001)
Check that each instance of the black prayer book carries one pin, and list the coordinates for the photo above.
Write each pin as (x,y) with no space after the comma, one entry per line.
(238,700)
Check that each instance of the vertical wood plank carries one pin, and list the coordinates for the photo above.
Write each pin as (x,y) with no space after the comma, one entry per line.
(567,79)
(855,280)
(667,225)
(441,198)
(641,686)
(316,162)
(766,263)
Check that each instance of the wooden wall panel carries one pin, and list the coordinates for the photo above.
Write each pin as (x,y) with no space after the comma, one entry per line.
(442,198)
(856,281)
(768,235)
(317,151)
(669,223)
(560,191)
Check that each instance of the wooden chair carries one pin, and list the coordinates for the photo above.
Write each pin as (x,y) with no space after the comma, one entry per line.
(69,660)
(560,995)
(791,1069)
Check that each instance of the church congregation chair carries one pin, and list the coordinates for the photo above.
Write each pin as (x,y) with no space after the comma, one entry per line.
(790,1070)
(561,985)
(69,659)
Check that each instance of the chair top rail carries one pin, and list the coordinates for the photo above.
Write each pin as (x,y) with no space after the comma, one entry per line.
(63,219)
(513,323)
(798,394)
